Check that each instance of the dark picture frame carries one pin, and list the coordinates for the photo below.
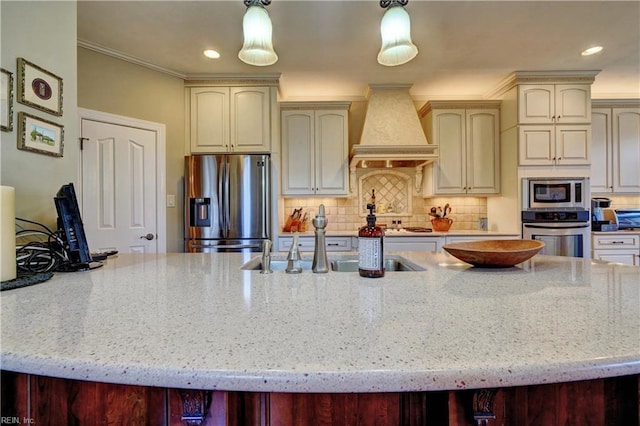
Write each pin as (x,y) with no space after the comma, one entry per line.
(6,99)
(39,88)
(39,135)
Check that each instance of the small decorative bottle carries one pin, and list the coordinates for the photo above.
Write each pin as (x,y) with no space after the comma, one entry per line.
(370,248)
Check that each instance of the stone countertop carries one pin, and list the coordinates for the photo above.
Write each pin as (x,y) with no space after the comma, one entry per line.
(199,321)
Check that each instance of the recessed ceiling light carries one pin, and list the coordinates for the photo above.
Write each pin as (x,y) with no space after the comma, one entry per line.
(592,50)
(211,54)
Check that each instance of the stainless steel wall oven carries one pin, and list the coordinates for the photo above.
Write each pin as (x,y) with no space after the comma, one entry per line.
(565,233)
(555,211)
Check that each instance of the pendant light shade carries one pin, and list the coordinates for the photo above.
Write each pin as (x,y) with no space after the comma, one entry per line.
(395,28)
(257,48)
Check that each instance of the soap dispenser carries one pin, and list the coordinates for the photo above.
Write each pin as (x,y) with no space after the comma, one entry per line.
(370,247)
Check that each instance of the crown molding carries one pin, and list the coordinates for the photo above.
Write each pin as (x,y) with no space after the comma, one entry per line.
(541,77)
(289,105)
(192,80)
(615,103)
(459,104)
(127,58)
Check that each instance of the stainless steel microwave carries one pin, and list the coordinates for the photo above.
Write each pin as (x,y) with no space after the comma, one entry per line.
(555,193)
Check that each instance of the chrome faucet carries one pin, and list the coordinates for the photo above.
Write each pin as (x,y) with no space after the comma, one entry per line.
(320,263)
(293,258)
(266,257)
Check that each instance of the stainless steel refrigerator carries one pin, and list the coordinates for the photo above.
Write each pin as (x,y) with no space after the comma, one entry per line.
(228,202)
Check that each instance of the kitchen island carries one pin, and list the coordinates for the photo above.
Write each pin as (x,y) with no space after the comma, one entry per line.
(199,322)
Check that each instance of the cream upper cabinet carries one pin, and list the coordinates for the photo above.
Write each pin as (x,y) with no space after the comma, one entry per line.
(250,114)
(229,119)
(615,144)
(469,145)
(315,150)
(555,145)
(554,103)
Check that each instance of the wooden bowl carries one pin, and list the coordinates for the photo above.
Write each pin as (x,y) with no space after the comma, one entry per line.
(441,224)
(494,253)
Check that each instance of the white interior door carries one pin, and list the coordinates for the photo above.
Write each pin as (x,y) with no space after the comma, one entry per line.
(119,194)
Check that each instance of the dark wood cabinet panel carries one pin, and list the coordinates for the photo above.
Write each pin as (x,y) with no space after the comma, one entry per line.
(47,400)
(333,409)
(15,390)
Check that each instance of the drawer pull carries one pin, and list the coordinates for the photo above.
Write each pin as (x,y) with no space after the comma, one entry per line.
(617,242)
(333,244)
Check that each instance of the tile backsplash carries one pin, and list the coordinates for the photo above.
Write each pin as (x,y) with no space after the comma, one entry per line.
(623,201)
(344,213)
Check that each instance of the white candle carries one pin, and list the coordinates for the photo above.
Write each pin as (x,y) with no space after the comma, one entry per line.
(7,233)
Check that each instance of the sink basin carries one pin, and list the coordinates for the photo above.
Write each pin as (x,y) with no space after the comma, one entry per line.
(277,264)
(392,263)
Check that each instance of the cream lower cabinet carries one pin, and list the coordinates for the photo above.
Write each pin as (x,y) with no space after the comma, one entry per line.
(620,247)
(315,149)
(230,119)
(466,238)
(468,136)
(554,145)
(307,243)
(413,244)
(554,103)
(615,146)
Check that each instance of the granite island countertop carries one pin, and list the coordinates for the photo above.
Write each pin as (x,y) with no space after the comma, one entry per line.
(199,321)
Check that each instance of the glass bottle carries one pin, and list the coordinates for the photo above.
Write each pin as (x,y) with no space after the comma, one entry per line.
(370,248)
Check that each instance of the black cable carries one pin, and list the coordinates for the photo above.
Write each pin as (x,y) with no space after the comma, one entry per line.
(41,256)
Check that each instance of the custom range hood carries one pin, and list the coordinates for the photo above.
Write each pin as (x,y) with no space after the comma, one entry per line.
(392,135)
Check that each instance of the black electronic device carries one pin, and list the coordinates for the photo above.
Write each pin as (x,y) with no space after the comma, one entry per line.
(71,229)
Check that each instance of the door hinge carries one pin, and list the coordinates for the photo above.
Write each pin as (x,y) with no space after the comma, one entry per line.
(82,142)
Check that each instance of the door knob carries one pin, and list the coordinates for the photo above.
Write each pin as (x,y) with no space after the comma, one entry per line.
(149,236)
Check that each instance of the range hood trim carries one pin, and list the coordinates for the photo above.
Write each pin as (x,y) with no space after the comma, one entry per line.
(417,156)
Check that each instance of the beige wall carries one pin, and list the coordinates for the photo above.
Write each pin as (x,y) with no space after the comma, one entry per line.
(115,86)
(43,33)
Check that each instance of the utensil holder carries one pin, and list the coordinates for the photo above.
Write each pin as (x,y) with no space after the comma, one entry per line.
(441,224)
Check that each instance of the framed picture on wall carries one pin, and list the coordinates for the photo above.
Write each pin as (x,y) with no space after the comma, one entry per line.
(39,135)
(6,99)
(39,88)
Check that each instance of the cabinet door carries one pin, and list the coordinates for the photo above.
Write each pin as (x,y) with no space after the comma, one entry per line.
(449,133)
(331,152)
(483,151)
(433,244)
(572,145)
(250,119)
(536,103)
(626,150)
(628,257)
(572,103)
(209,119)
(601,151)
(536,145)
(298,152)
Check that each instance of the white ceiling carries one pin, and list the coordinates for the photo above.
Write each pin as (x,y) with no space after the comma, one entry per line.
(327,48)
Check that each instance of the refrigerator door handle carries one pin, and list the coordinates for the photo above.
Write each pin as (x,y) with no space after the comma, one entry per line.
(221,216)
(227,200)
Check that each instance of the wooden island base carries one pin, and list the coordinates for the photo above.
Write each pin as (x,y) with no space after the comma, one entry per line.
(45,400)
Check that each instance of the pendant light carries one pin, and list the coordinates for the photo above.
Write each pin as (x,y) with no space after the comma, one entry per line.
(257,48)
(395,28)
